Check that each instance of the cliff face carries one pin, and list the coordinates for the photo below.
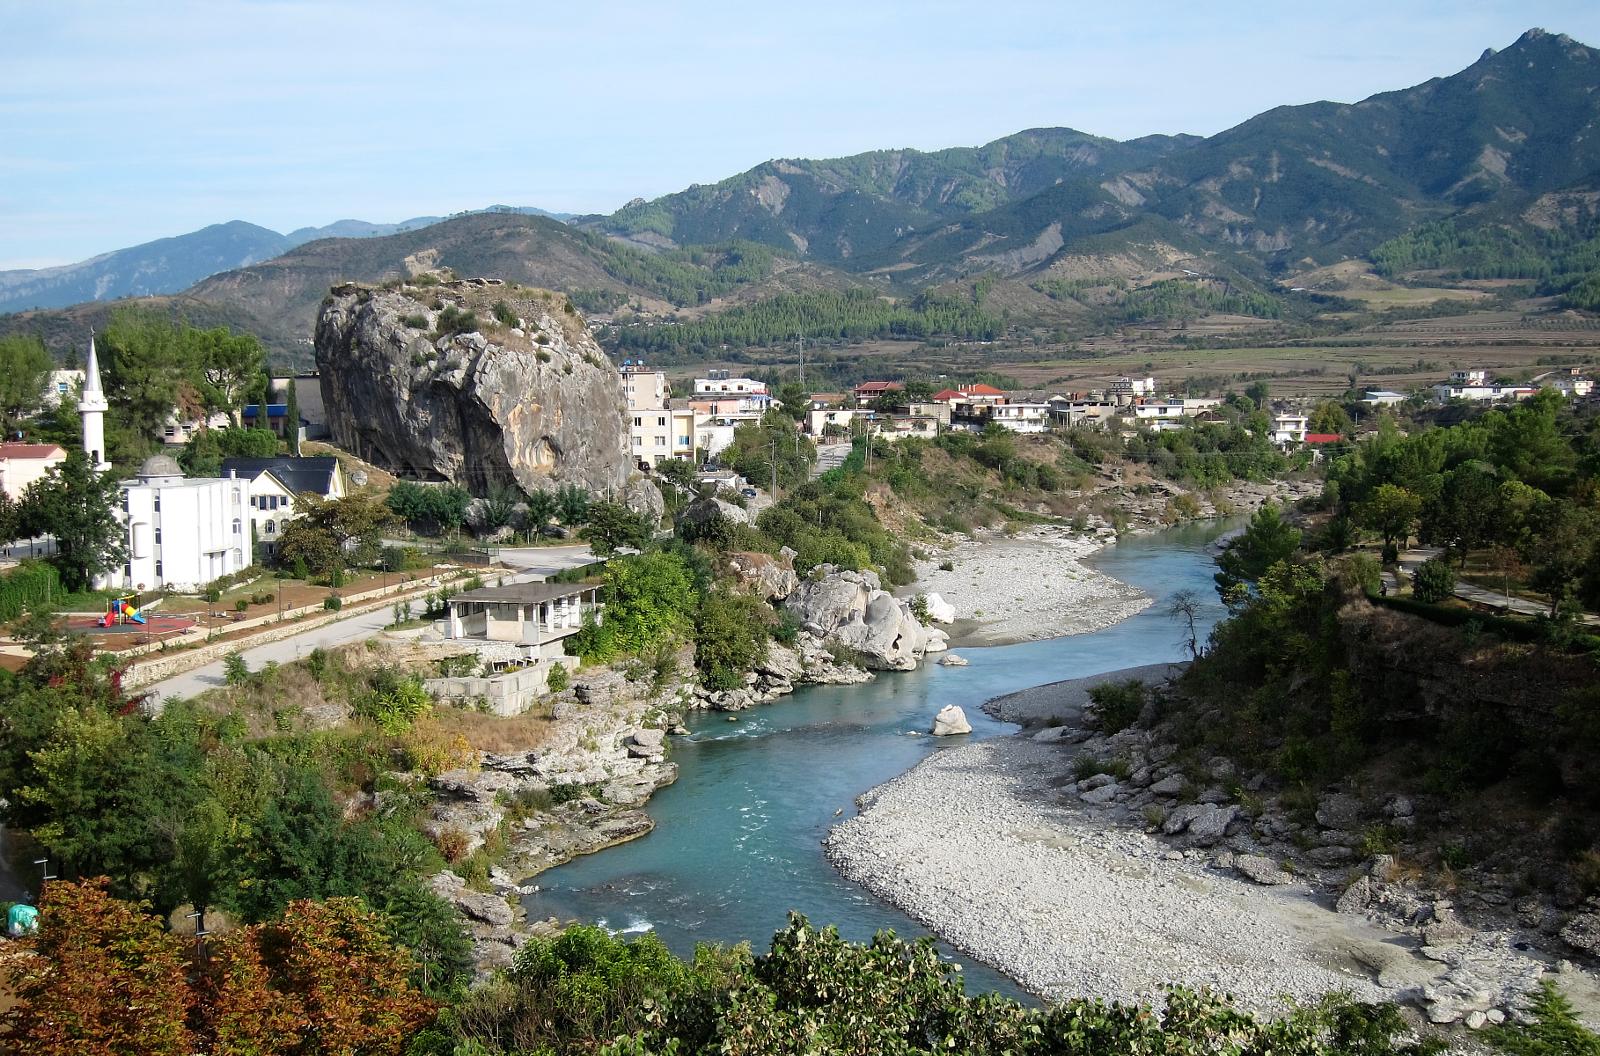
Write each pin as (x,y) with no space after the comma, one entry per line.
(536,405)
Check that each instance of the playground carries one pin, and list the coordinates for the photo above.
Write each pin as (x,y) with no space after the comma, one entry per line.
(125,624)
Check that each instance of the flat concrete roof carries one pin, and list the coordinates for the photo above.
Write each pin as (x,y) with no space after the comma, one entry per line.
(527,593)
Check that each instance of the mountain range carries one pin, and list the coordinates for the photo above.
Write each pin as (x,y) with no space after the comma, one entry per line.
(170,265)
(1509,141)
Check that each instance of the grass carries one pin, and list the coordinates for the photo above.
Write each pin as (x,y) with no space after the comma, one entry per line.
(487,732)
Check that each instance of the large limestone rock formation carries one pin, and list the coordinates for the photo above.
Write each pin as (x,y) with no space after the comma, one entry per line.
(853,609)
(536,405)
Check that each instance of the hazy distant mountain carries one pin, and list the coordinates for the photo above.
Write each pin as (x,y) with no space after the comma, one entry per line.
(170,265)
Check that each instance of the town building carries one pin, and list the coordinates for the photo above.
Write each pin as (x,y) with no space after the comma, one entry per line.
(183,532)
(657,430)
(22,464)
(92,407)
(1383,398)
(276,485)
(1125,390)
(870,392)
(722,383)
(1288,428)
(1568,381)
(1475,386)
(59,385)
(830,421)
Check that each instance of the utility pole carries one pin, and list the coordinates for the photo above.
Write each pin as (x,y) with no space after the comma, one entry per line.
(802,338)
(773,449)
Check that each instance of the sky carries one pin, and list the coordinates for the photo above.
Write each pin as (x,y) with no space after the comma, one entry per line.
(125,121)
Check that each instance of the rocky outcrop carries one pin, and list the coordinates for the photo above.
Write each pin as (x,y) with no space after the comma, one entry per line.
(769,577)
(852,609)
(537,405)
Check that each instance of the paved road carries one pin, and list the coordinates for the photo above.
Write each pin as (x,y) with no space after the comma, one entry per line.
(829,456)
(1494,599)
(533,563)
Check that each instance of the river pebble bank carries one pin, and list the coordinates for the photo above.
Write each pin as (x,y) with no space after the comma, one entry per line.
(1069,907)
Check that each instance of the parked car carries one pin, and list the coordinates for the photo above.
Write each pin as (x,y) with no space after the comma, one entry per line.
(748,493)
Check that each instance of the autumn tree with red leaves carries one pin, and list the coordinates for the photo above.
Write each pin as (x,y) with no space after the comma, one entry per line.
(106,980)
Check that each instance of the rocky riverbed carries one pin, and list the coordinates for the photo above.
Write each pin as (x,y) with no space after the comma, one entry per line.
(1089,865)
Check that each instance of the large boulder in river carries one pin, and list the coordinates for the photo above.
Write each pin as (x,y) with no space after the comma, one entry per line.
(939,610)
(536,405)
(886,634)
(950,722)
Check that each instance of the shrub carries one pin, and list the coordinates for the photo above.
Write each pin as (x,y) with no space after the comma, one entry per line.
(235,671)
(558,679)
(392,702)
(241,605)
(455,321)
(504,315)
(416,321)
(730,638)
(919,608)
(1434,581)
(453,845)
(947,566)
(333,603)
(1116,705)
(213,594)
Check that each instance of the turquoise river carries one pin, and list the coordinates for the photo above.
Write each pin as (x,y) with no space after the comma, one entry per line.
(738,837)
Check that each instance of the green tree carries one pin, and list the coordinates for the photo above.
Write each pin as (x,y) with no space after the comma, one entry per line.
(541,509)
(650,599)
(223,366)
(757,445)
(78,507)
(291,419)
(147,363)
(24,369)
(1465,514)
(572,506)
(1434,581)
(612,527)
(332,534)
(1330,417)
(731,633)
(793,400)
(1267,540)
(1392,512)
(1526,441)
(202,455)
(1561,550)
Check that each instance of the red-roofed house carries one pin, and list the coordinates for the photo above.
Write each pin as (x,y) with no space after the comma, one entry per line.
(22,464)
(869,391)
(947,396)
(980,389)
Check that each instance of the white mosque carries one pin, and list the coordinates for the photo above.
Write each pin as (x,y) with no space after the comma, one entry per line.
(183,532)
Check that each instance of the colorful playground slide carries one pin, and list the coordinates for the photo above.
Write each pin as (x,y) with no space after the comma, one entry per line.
(121,610)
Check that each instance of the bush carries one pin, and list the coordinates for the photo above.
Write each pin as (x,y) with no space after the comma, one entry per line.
(213,594)
(504,315)
(1116,705)
(1434,581)
(235,671)
(241,605)
(333,603)
(730,638)
(558,679)
(416,321)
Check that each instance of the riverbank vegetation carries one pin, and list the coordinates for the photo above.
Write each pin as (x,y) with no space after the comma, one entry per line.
(1337,672)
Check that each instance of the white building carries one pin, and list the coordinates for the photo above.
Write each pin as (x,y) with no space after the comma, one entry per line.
(1475,386)
(1021,417)
(1288,429)
(60,384)
(1125,390)
(276,485)
(92,407)
(720,383)
(183,532)
(820,419)
(1382,398)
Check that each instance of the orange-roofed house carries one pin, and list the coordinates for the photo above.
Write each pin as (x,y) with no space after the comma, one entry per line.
(22,464)
(869,391)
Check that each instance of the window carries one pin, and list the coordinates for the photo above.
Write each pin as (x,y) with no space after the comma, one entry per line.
(61,387)
(158,571)
(661,441)
(661,421)
(638,441)
(238,529)
(171,430)
(127,570)
(158,536)
(638,423)
(272,527)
